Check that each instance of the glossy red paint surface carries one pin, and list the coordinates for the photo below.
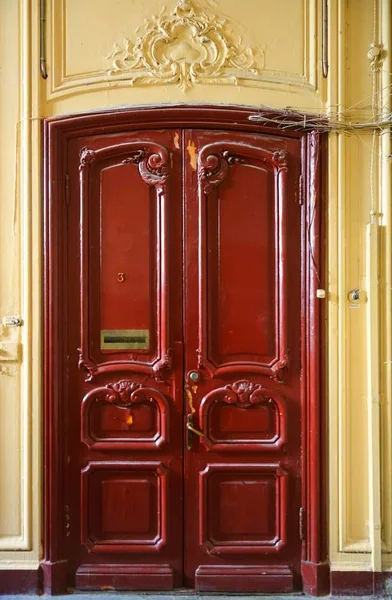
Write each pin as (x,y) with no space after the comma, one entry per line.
(199,237)
(124,477)
(242,322)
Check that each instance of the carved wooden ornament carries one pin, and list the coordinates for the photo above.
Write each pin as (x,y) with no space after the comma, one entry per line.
(185,47)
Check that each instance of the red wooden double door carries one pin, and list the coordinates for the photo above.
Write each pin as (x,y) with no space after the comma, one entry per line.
(181,288)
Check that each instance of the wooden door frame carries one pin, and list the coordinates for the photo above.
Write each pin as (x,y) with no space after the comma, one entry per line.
(57,131)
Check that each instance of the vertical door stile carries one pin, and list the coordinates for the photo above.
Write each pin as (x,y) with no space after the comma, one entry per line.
(243,533)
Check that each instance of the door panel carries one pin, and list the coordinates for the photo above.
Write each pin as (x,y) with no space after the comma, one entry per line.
(242,359)
(182,282)
(242,222)
(124,387)
(123,507)
(124,197)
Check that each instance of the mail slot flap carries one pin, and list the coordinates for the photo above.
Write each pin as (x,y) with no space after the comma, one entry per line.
(126,339)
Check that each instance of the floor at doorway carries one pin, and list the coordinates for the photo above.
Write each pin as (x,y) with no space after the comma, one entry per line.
(190,596)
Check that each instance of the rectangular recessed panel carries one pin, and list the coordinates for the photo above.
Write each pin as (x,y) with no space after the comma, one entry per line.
(229,421)
(127,258)
(131,422)
(241,267)
(123,507)
(126,507)
(136,424)
(111,420)
(244,509)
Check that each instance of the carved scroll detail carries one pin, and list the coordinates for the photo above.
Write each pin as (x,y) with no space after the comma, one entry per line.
(153,167)
(243,394)
(86,157)
(87,366)
(279,368)
(280,158)
(124,393)
(215,167)
(163,366)
(185,47)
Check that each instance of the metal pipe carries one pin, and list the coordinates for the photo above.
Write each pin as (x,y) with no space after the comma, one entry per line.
(325,38)
(44,73)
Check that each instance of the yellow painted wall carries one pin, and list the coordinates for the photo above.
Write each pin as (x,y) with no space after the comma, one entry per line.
(277,64)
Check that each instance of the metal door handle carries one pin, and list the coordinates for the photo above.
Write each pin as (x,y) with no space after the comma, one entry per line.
(192,430)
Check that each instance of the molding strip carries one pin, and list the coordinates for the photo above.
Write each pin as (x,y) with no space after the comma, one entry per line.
(373,356)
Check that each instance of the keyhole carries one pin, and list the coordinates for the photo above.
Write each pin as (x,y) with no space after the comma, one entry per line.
(194,376)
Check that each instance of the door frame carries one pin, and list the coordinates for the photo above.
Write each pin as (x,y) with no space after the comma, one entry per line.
(57,131)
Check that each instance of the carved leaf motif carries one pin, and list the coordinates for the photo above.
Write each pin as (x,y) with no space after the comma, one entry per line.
(135,157)
(244,394)
(124,393)
(121,392)
(185,47)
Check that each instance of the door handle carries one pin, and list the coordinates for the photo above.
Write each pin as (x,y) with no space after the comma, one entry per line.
(191,430)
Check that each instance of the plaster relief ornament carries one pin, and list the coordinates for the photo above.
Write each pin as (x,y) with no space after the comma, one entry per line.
(185,47)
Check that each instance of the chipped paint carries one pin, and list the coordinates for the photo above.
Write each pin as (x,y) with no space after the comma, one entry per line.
(176,140)
(107,588)
(129,420)
(188,393)
(192,151)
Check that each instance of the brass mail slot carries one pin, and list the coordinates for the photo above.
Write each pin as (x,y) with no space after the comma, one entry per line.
(125,339)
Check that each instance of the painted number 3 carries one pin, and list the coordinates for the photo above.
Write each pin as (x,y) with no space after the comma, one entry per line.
(121,277)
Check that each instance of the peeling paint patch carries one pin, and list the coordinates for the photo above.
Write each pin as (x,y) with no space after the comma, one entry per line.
(190,399)
(192,151)
(107,588)
(177,140)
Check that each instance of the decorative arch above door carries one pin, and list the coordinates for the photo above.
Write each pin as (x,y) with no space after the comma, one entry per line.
(183,343)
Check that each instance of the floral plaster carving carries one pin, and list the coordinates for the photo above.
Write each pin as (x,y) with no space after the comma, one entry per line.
(186,47)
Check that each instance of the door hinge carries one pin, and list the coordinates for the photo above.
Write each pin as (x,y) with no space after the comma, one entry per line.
(67,190)
(300,190)
(302,524)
